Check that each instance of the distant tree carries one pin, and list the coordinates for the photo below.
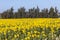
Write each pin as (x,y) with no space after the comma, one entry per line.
(4,14)
(45,13)
(34,13)
(21,12)
(52,13)
(0,15)
(56,10)
(37,12)
(10,13)
(31,13)
(7,14)
(16,15)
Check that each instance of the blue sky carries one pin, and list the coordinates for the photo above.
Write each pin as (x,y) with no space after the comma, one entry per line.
(6,4)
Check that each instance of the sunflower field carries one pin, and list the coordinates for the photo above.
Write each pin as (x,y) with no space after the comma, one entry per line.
(30,29)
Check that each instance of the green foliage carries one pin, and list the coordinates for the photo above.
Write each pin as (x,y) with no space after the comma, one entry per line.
(29,34)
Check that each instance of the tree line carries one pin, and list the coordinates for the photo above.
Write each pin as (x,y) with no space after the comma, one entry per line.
(31,13)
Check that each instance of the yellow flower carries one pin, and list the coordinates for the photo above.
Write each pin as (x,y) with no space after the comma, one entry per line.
(38,35)
(5,39)
(13,24)
(35,31)
(28,37)
(22,39)
(15,36)
(23,31)
(44,35)
(29,33)
(33,35)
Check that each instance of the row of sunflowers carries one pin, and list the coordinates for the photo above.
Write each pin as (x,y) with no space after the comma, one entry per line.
(30,29)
